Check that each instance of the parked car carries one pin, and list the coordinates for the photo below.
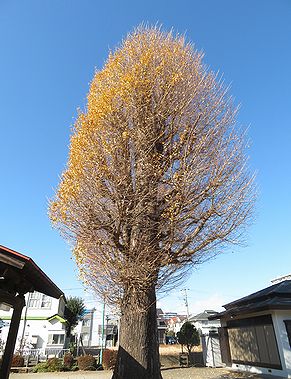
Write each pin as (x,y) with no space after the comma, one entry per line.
(171,340)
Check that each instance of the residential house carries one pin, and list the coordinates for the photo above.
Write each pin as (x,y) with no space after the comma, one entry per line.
(256,331)
(209,339)
(203,324)
(93,328)
(19,275)
(42,324)
(175,323)
(86,327)
(168,321)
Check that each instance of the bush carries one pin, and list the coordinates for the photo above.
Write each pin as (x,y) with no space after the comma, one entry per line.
(54,364)
(41,367)
(87,362)
(109,358)
(17,361)
(68,360)
(51,365)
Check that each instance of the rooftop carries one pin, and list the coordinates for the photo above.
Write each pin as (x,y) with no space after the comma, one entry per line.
(203,315)
(277,296)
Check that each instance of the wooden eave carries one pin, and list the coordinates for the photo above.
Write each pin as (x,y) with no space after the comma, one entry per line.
(19,273)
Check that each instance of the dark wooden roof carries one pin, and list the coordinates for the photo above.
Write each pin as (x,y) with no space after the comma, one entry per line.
(19,273)
(277,296)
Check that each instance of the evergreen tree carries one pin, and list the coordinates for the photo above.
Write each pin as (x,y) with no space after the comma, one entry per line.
(74,311)
(188,336)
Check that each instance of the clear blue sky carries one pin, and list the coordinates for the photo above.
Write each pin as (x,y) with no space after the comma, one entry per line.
(49,50)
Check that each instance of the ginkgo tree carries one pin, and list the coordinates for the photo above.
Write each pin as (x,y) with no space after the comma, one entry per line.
(157,181)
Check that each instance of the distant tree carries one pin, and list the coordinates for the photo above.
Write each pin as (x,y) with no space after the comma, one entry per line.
(74,311)
(157,181)
(188,336)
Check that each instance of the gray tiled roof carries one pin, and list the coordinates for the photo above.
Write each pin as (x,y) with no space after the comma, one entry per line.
(202,316)
(277,296)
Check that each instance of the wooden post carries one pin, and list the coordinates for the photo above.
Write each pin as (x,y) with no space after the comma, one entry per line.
(12,335)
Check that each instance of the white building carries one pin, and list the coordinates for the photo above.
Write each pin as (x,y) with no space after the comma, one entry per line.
(42,324)
(95,326)
(175,323)
(203,324)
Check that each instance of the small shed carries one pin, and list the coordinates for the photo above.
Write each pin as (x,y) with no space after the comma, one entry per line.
(19,275)
(256,331)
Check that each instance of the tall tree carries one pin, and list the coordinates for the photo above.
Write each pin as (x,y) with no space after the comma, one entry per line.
(156,182)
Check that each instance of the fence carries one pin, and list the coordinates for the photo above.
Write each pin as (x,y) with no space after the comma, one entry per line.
(48,352)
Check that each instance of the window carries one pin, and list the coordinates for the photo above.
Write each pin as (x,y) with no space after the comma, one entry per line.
(56,339)
(34,299)
(46,302)
(38,300)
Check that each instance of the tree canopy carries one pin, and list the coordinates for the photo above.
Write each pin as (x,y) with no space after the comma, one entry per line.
(157,150)
(157,181)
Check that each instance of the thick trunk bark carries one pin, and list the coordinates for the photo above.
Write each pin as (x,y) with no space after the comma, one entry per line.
(138,354)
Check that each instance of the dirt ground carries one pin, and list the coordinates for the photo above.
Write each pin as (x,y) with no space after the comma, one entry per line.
(170,370)
(168,373)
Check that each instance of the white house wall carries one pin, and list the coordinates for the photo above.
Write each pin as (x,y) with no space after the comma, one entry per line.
(40,328)
(57,307)
(206,325)
(37,324)
(282,339)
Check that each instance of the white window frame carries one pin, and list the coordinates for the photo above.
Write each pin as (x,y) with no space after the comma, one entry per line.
(56,339)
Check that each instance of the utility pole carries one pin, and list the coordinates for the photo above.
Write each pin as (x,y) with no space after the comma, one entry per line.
(21,346)
(184,290)
(102,338)
(107,319)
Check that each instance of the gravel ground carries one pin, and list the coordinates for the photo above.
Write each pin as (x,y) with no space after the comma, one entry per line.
(172,373)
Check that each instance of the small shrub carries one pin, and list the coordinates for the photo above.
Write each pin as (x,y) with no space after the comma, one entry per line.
(17,361)
(54,364)
(109,358)
(87,362)
(41,367)
(68,360)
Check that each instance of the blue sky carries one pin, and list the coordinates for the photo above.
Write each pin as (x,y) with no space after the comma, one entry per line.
(49,51)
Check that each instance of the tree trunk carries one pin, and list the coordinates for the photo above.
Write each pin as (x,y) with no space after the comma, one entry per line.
(138,354)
